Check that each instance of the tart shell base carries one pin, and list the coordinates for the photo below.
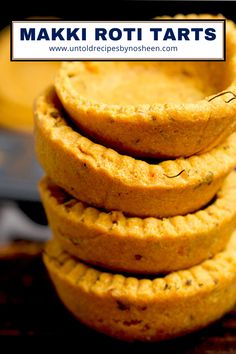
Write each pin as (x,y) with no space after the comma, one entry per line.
(129,308)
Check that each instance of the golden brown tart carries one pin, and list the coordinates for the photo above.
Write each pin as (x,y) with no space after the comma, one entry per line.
(154,109)
(101,177)
(150,245)
(131,308)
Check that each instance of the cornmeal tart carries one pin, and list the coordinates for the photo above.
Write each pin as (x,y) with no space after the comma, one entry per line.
(132,308)
(136,245)
(101,177)
(154,109)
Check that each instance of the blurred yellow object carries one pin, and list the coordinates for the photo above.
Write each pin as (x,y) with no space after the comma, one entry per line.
(20,83)
(21,249)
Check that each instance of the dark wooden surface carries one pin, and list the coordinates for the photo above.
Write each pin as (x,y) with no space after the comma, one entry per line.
(29,308)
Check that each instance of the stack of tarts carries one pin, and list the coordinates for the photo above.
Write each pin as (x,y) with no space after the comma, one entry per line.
(140,194)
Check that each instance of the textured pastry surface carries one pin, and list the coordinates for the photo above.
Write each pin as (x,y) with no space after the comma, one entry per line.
(136,245)
(154,109)
(103,178)
(132,308)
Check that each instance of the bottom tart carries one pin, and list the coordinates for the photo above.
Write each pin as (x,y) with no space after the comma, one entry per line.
(150,245)
(145,309)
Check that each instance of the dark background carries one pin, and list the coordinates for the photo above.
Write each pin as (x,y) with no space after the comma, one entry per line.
(112,10)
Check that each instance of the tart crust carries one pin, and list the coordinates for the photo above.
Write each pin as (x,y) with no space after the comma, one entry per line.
(154,109)
(137,245)
(103,178)
(132,308)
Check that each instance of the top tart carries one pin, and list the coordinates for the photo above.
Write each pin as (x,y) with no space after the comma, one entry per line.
(154,109)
